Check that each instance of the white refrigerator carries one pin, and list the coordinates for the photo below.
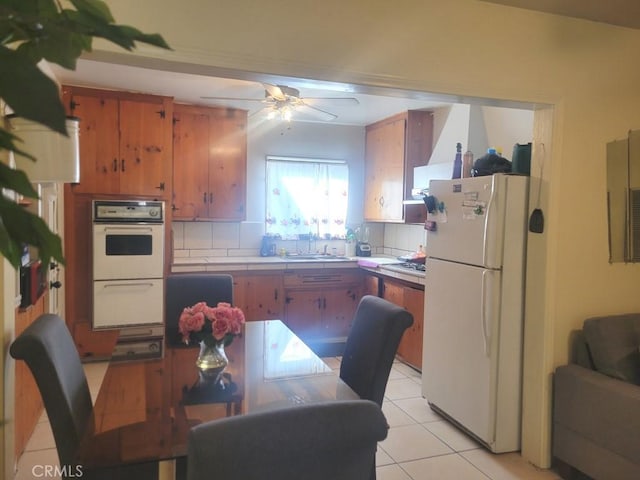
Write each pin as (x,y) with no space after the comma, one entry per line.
(474,305)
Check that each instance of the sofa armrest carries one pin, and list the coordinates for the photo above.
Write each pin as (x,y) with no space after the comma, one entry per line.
(602,409)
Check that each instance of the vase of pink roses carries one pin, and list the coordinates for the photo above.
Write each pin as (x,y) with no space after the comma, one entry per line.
(213,328)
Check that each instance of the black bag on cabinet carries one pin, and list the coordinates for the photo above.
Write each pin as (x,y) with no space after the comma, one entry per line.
(489,164)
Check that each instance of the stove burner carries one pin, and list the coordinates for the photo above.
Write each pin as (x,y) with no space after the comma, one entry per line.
(413,266)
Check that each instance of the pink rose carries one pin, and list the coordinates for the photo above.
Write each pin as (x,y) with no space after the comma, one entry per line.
(220,328)
(190,321)
(200,307)
(224,319)
(237,319)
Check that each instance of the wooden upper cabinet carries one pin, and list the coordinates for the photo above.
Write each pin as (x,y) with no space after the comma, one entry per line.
(210,163)
(384,170)
(190,164)
(394,146)
(125,142)
(99,142)
(145,147)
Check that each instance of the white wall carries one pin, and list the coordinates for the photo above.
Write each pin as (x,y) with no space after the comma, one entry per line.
(450,126)
(477,128)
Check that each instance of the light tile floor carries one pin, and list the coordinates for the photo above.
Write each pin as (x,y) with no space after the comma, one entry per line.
(420,444)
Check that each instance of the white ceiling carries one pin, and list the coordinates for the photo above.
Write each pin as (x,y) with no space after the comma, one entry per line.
(624,13)
(188,88)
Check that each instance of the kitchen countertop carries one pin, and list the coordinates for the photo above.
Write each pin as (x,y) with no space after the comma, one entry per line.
(257,263)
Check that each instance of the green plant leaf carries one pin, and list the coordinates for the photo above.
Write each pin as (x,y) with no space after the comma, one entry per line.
(22,227)
(149,38)
(17,181)
(62,47)
(9,249)
(29,92)
(31,7)
(96,8)
(42,29)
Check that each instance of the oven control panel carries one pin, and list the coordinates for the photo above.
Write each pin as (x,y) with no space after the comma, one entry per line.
(124,211)
(141,349)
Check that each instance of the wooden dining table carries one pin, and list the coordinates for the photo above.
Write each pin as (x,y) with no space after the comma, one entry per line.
(144,409)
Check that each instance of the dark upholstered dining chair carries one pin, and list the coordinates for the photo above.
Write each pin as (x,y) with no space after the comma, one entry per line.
(186,290)
(48,350)
(371,346)
(319,441)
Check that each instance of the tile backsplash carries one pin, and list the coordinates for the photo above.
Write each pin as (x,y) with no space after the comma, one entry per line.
(230,239)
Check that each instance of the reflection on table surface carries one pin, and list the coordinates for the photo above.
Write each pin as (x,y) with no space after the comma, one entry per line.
(284,354)
(144,409)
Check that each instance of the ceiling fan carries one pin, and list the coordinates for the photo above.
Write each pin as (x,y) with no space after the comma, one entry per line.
(281,101)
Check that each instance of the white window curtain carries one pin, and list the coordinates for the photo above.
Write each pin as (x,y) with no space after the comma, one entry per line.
(306,196)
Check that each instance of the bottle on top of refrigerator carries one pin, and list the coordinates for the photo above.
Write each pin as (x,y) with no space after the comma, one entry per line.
(457,163)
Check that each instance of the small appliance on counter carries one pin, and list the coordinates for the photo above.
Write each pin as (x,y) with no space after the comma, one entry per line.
(363,248)
(268,246)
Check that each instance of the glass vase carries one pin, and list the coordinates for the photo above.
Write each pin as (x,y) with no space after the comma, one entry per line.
(211,362)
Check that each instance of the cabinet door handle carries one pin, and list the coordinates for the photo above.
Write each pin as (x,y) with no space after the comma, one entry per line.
(324,303)
(204,197)
(210,197)
(161,186)
(275,294)
(319,304)
(115,164)
(381,201)
(122,165)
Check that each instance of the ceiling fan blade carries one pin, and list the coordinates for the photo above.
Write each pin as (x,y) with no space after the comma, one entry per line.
(274,91)
(342,101)
(326,116)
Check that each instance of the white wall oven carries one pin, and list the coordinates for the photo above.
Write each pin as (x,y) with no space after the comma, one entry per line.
(128,264)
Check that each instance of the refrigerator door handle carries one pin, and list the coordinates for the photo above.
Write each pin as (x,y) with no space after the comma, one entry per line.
(489,209)
(483,315)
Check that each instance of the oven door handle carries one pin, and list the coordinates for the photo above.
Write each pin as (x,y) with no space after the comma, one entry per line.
(131,284)
(128,229)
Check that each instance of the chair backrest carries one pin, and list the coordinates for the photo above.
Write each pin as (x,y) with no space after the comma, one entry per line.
(331,440)
(372,345)
(48,350)
(186,290)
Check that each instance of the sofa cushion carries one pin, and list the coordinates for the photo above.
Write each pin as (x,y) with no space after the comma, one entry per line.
(614,343)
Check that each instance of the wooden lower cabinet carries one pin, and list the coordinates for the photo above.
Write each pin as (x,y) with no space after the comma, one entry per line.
(371,285)
(410,348)
(28,401)
(411,298)
(319,306)
(259,296)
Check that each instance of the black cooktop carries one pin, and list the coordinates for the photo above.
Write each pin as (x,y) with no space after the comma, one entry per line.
(413,266)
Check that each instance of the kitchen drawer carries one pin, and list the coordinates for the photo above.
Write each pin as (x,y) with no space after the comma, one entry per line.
(320,278)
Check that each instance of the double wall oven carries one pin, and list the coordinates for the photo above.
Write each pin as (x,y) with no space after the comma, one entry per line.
(128,266)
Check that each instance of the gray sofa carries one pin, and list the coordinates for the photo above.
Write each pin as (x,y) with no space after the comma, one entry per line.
(596,402)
